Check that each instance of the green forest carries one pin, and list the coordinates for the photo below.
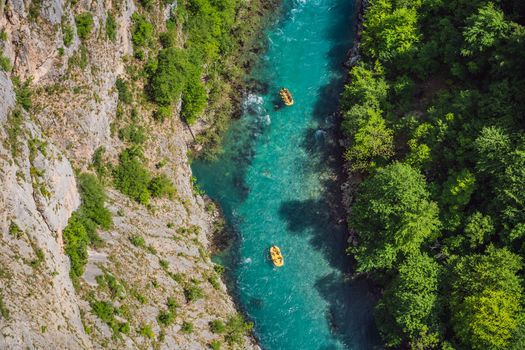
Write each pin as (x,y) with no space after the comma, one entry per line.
(435,115)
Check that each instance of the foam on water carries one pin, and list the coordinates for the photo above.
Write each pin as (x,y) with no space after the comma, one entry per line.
(265,119)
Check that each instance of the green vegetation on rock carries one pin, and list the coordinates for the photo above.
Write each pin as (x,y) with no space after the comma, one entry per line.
(83,224)
(67,32)
(142,31)
(84,22)
(23,93)
(134,180)
(5,64)
(111,27)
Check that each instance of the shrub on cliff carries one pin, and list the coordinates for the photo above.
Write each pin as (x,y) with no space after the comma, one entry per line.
(131,177)
(84,23)
(217,326)
(132,133)
(93,212)
(107,312)
(67,32)
(23,93)
(194,99)
(168,79)
(142,32)
(193,292)
(236,329)
(187,327)
(81,227)
(166,317)
(76,241)
(124,94)
(111,27)
(5,64)
(162,113)
(161,186)
(147,4)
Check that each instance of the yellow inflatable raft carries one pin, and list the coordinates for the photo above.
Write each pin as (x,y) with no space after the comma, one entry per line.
(276,256)
(286,96)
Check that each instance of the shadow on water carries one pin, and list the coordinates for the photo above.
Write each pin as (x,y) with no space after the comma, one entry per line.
(322,221)
(312,217)
(348,317)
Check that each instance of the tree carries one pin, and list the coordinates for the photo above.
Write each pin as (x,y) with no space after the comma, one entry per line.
(456,194)
(484,29)
(408,311)
(458,188)
(356,116)
(517,341)
(372,142)
(487,320)
(510,195)
(418,155)
(478,229)
(390,35)
(503,164)
(393,216)
(169,78)
(194,99)
(419,152)
(367,87)
(495,269)
(485,298)
(492,145)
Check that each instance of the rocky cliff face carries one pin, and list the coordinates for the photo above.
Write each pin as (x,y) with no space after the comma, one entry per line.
(154,260)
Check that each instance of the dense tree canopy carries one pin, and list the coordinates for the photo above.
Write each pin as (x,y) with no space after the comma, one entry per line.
(393,216)
(485,298)
(434,113)
(391,32)
(177,72)
(408,312)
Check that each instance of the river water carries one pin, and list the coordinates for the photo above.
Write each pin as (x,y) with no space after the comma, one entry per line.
(276,182)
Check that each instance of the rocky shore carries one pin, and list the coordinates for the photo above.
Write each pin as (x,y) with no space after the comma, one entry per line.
(349,186)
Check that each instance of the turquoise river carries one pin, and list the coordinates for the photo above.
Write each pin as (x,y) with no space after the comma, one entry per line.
(277,182)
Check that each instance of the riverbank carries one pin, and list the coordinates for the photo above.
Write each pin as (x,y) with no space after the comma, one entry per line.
(228,77)
(351,183)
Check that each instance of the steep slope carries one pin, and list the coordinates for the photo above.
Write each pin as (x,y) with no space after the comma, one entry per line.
(149,281)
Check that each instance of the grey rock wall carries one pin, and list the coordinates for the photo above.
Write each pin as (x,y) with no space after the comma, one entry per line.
(72,116)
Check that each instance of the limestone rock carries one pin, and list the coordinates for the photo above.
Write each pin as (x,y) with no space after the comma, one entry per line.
(72,116)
